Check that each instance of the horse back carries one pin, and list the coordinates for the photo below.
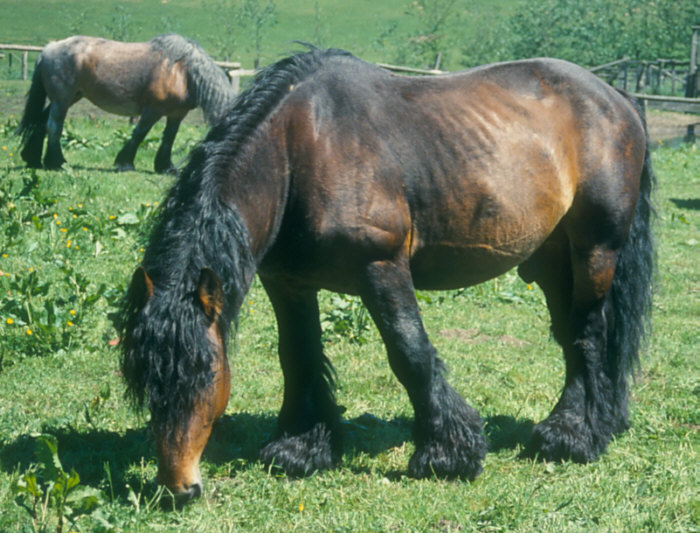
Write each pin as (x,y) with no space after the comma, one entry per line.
(120,77)
(476,168)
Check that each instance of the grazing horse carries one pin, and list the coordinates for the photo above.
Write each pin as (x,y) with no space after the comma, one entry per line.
(331,173)
(166,76)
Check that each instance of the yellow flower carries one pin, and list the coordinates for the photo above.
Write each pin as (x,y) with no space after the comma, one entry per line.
(4,256)
(10,321)
(80,205)
(111,217)
(69,323)
(31,269)
(72,312)
(301,507)
(29,332)
(4,148)
(63,230)
(529,287)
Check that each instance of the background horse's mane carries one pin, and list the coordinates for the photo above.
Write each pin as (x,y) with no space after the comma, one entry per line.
(206,81)
(166,354)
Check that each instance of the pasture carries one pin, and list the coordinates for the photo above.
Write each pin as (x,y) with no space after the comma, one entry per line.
(69,241)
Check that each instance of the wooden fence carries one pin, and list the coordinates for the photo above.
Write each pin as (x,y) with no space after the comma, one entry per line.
(671,77)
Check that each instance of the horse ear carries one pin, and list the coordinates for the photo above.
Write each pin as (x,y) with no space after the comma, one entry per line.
(210,293)
(141,289)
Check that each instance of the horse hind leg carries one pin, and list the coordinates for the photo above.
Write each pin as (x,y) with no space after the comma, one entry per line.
(125,158)
(447,431)
(163,162)
(53,159)
(308,426)
(592,406)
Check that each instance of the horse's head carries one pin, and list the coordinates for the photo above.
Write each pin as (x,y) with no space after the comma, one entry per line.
(174,361)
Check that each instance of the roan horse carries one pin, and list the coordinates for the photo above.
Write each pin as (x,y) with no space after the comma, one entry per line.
(332,173)
(166,76)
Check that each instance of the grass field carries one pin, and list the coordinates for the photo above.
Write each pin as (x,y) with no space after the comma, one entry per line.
(69,242)
(371,30)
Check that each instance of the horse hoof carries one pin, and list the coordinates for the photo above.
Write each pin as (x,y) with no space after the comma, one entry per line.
(565,437)
(449,460)
(302,455)
(124,167)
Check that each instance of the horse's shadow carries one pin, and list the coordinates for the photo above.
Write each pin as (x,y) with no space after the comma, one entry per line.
(235,441)
(687,203)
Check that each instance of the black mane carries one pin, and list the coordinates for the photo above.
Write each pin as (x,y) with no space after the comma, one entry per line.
(166,357)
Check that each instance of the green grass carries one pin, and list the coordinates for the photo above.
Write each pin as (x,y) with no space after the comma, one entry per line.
(62,378)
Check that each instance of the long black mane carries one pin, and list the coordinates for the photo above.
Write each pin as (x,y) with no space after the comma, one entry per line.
(166,357)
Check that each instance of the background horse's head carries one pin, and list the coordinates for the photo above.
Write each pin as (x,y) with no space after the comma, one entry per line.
(174,361)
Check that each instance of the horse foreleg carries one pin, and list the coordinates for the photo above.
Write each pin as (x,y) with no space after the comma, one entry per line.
(307,433)
(53,160)
(125,157)
(163,162)
(447,431)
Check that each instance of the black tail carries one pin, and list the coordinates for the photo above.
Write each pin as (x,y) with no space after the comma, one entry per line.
(631,292)
(32,127)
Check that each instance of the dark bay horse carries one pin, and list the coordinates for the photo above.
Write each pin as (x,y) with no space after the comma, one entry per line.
(164,77)
(331,173)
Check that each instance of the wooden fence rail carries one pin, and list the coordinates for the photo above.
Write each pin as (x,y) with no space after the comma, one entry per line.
(645,74)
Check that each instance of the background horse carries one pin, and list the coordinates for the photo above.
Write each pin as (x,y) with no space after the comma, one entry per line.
(331,173)
(166,76)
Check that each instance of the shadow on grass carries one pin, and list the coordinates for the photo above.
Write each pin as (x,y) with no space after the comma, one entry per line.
(236,439)
(686,203)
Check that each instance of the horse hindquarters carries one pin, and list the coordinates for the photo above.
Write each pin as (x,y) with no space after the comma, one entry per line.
(599,299)
(32,127)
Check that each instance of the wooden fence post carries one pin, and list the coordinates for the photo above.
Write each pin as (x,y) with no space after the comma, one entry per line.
(25,54)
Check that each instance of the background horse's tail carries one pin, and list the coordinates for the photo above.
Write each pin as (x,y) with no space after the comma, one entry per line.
(33,124)
(631,293)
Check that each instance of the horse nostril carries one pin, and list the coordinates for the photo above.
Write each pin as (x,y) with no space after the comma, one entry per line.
(194,491)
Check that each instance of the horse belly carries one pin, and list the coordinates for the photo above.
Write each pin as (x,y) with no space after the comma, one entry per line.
(444,267)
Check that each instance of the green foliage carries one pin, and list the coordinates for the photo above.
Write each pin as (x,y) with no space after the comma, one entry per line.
(52,488)
(255,16)
(591,32)
(345,317)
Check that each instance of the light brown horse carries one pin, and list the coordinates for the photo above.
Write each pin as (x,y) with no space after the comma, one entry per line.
(164,77)
(331,173)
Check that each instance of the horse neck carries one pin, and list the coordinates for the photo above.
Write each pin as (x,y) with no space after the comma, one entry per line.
(258,184)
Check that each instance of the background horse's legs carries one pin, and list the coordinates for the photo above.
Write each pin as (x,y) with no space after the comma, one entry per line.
(53,160)
(576,283)
(308,436)
(163,162)
(447,431)
(125,157)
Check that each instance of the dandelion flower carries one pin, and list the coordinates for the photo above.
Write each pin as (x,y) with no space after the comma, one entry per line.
(72,312)
(70,324)
(29,332)
(301,507)
(10,321)
(4,148)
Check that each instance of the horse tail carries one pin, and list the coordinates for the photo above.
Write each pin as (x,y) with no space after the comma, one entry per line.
(630,303)
(32,127)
